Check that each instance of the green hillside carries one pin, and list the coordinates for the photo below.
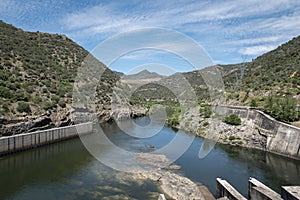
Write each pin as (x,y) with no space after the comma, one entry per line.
(271,83)
(37,73)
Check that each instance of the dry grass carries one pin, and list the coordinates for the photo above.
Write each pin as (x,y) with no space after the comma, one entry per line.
(297,124)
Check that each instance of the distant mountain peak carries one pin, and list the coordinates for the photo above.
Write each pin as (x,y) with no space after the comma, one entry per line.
(144,74)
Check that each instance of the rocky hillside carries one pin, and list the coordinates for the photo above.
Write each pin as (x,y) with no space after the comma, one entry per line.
(37,73)
(144,74)
(271,83)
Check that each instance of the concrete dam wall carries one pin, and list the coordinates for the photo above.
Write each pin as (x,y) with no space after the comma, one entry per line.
(25,141)
(282,138)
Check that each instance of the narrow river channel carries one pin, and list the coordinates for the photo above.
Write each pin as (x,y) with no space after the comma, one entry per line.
(66,170)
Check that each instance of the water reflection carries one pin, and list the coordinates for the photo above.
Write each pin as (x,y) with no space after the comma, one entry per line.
(274,170)
(67,171)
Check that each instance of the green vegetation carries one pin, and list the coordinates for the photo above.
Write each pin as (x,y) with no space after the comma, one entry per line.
(23,107)
(232,120)
(173,114)
(40,69)
(205,111)
(205,123)
(232,137)
(248,84)
(173,121)
(275,74)
(283,109)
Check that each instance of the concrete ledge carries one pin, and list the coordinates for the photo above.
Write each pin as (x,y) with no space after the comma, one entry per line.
(258,190)
(261,193)
(290,192)
(224,189)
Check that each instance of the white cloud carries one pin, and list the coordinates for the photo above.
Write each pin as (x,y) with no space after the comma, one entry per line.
(256,50)
(234,26)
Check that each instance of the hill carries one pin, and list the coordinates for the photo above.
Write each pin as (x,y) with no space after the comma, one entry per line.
(144,74)
(37,73)
(270,82)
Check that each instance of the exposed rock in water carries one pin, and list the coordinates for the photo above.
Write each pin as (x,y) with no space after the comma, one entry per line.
(172,184)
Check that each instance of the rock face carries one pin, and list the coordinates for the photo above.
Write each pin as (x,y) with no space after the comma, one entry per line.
(127,113)
(23,127)
(258,130)
(26,125)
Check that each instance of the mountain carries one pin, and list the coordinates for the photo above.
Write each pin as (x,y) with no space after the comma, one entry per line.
(144,74)
(37,73)
(270,82)
(276,71)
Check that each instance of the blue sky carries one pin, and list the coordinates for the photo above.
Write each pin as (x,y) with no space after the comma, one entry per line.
(230,31)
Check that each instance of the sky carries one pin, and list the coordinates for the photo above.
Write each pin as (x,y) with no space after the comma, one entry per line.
(229,31)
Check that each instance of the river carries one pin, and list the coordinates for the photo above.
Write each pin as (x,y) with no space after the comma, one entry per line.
(66,170)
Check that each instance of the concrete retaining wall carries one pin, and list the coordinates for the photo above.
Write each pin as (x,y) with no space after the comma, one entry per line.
(25,141)
(282,138)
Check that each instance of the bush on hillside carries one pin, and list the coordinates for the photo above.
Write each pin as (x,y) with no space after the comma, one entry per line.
(232,120)
(23,107)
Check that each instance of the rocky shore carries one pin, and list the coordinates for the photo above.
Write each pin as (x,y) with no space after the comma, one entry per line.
(28,124)
(174,185)
(244,135)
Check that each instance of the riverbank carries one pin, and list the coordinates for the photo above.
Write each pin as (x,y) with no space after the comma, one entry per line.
(257,131)
(81,176)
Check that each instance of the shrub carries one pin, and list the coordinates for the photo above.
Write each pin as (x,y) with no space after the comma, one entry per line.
(48,105)
(205,124)
(174,121)
(206,111)
(232,120)
(5,107)
(37,99)
(5,93)
(23,107)
(62,103)
(55,99)
(231,137)
(253,103)
(21,96)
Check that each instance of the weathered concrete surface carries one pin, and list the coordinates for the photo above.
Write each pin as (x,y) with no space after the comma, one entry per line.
(259,191)
(281,138)
(224,189)
(25,141)
(290,192)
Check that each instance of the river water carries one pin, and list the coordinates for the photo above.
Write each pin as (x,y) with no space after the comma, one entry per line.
(66,170)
